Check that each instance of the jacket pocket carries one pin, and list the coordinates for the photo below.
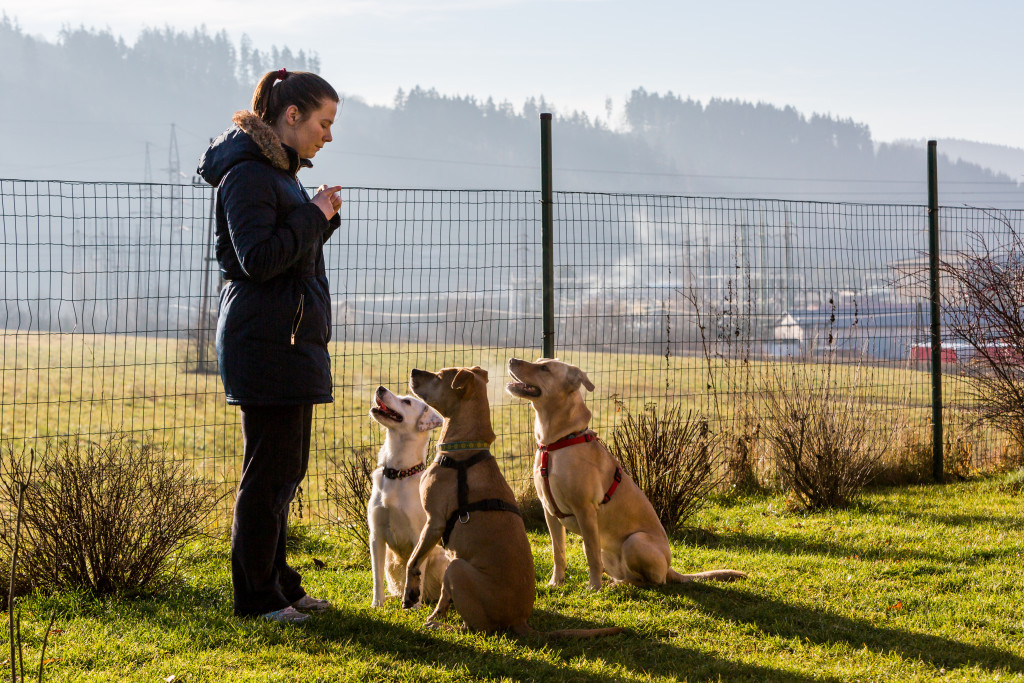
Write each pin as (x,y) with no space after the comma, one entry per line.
(297,318)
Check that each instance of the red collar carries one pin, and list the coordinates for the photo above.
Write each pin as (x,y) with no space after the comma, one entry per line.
(569,440)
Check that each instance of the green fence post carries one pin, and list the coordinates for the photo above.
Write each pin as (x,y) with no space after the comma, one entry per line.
(936,312)
(547,237)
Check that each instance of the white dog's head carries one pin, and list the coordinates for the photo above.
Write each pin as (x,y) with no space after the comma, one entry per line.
(403,413)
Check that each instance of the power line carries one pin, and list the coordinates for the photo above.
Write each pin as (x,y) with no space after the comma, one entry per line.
(536,167)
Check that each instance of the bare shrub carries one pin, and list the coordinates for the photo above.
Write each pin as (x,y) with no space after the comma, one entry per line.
(983,286)
(103,517)
(350,489)
(670,456)
(828,441)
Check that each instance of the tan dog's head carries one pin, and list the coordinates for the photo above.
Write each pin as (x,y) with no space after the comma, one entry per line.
(405,414)
(546,380)
(460,396)
(553,387)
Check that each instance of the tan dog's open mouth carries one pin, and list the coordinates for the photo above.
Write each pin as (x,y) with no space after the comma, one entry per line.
(521,388)
(383,411)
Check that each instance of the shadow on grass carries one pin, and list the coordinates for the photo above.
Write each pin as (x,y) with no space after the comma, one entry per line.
(798,544)
(481,658)
(654,657)
(955,521)
(819,626)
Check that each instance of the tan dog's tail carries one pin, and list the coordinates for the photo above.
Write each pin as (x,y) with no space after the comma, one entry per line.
(526,630)
(714,575)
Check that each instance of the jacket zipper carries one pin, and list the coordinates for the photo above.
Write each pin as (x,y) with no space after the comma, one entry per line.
(298,317)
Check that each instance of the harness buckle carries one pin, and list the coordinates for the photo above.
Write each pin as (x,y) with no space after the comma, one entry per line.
(464,521)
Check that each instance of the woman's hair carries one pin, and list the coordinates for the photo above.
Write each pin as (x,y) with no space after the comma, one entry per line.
(278,90)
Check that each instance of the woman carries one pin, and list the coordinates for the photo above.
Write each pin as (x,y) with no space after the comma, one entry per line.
(275,320)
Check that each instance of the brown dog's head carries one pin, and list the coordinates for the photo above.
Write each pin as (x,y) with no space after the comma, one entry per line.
(460,396)
(403,413)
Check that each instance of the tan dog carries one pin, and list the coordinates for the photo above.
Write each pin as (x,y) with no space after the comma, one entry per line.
(394,513)
(491,580)
(586,491)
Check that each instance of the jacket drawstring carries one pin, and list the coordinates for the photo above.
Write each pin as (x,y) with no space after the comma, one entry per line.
(298,317)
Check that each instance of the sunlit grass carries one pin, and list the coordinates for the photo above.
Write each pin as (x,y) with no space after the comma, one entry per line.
(915,584)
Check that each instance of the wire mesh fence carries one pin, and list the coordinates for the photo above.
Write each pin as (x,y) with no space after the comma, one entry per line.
(110,296)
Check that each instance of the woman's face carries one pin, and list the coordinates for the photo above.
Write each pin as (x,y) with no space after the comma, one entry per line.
(307,136)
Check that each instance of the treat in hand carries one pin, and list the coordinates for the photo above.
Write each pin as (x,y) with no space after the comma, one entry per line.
(328,199)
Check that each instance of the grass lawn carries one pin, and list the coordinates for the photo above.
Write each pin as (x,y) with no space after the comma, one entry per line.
(915,584)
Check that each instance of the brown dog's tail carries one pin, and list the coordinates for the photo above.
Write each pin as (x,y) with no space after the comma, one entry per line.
(526,630)
(714,575)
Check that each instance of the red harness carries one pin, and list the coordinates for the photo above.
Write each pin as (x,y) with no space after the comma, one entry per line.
(566,441)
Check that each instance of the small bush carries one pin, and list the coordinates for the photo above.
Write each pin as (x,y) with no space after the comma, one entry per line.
(1013,482)
(350,489)
(102,517)
(827,442)
(530,506)
(744,470)
(670,456)
(908,461)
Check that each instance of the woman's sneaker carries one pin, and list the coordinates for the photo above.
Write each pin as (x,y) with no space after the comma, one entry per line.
(287,615)
(312,604)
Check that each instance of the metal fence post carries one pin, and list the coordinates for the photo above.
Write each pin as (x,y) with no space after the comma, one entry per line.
(547,238)
(936,311)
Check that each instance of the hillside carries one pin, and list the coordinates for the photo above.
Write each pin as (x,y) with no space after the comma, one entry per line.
(996,158)
(110,118)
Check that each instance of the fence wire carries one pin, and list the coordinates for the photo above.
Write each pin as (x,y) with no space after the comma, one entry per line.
(110,300)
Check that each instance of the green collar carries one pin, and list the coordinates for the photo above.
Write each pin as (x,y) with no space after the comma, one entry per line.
(463,446)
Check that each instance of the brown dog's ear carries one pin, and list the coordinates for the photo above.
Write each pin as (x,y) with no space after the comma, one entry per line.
(480,372)
(462,379)
(577,377)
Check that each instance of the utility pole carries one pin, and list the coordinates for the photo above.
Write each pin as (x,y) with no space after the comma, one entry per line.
(173,170)
(147,178)
(173,161)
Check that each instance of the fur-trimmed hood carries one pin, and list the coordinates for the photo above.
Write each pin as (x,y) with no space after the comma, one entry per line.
(250,139)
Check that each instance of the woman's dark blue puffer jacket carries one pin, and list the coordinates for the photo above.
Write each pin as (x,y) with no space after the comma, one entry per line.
(275,308)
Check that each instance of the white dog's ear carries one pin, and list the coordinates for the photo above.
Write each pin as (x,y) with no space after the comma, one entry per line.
(578,377)
(430,419)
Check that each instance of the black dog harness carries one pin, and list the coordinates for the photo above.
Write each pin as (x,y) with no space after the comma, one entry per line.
(465,507)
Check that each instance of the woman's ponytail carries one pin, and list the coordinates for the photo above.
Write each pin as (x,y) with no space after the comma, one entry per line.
(280,89)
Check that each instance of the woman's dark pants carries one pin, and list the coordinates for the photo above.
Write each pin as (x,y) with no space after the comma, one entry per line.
(276,443)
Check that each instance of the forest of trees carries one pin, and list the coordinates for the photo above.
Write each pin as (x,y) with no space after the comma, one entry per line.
(91,107)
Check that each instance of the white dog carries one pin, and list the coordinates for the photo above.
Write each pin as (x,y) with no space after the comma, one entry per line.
(395,514)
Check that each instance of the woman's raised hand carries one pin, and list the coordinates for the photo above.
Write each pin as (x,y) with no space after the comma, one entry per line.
(328,199)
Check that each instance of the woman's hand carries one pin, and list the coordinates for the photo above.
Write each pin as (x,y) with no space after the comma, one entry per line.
(327,199)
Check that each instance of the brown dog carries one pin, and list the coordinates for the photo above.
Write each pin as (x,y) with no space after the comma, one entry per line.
(583,489)
(471,509)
